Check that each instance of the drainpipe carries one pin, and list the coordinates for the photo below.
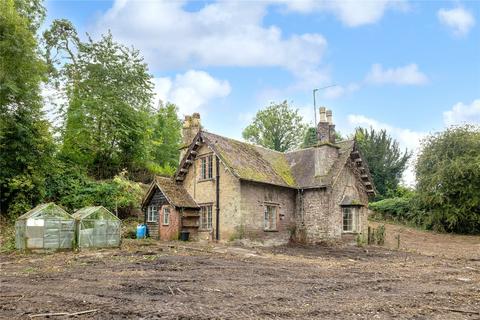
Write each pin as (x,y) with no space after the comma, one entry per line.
(217,194)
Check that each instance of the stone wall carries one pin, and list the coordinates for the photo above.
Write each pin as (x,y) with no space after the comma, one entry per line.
(204,193)
(254,197)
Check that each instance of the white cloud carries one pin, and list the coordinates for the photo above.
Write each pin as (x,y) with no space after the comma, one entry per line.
(340,91)
(406,138)
(222,33)
(406,75)
(191,90)
(462,113)
(459,20)
(351,13)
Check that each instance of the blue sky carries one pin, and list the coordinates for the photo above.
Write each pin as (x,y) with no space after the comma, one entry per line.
(409,67)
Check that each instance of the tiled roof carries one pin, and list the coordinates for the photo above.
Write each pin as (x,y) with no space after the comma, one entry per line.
(295,169)
(175,193)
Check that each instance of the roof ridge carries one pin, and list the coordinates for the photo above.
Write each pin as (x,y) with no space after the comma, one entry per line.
(244,142)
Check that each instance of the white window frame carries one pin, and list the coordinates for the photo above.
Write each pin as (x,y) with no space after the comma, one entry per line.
(166,213)
(270,217)
(206,167)
(352,226)
(206,213)
(152,213)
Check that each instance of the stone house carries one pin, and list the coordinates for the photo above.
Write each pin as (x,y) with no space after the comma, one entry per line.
(240,190)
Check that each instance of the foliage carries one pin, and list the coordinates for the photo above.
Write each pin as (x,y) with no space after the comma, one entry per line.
(277,127)
(166,137)
(448,179)
(310,137)
(109,92)
(70,187)
(26,144)
(384,158)
(398,209)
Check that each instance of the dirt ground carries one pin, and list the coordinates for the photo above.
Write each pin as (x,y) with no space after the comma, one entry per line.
(158,280)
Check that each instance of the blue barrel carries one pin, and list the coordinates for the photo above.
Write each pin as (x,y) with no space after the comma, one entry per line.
(141,231)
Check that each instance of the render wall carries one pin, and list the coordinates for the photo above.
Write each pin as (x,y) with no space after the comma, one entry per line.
(254,198)
(204,193)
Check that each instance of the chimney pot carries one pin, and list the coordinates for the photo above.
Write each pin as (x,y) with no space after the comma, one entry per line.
(323,117)
(329,117)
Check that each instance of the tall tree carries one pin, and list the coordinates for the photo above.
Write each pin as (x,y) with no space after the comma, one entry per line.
(25,141)
(109,93)
(166,136)
(448,179)
(277,127)
(385,159)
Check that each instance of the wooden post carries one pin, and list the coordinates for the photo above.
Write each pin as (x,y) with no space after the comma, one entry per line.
(398,241)
(369,240)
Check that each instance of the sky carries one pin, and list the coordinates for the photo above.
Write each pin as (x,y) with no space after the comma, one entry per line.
(412,68)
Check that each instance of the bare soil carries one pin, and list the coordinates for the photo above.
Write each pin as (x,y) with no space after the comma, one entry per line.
(158,280)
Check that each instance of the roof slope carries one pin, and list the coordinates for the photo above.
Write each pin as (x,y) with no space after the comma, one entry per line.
(295,169)
(47,210)
(250,162)
(302,164)
(94,213)
(175,193)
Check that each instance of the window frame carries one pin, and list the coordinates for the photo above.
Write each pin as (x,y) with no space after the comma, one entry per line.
(152,213)
(270,221)
(206,167)
(206,217)
(353,219)
(166,209)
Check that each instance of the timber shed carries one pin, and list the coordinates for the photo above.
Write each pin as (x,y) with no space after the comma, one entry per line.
(97,227)
(47,226)
(169,209)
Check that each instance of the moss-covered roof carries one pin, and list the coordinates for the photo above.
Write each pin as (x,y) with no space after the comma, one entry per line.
(176,194)
(250,162)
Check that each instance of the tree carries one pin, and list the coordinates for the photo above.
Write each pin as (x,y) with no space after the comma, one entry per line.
(166,137)
(26,144)
(276,127)
(385,159)
(448,179)
(109,93)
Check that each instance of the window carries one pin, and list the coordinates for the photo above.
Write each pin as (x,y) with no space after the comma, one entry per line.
(166,216)
(270,218)
(350,219)
(152,214)
(206,217)
(206,170)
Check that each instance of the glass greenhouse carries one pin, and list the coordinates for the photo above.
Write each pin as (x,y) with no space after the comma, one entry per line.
(97,227)
(47,226)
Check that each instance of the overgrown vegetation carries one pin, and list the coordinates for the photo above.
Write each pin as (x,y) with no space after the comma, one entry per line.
(109,136)
(447,197)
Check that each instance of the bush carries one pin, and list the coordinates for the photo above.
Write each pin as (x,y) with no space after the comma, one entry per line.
(448,180)
(398,209)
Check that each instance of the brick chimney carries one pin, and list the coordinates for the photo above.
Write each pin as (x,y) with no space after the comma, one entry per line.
(326,151)
(191,126)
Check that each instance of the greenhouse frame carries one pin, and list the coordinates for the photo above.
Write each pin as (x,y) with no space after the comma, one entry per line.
(97,227)
(47,226)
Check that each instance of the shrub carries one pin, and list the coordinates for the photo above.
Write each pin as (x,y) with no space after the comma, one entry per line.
(398,209)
